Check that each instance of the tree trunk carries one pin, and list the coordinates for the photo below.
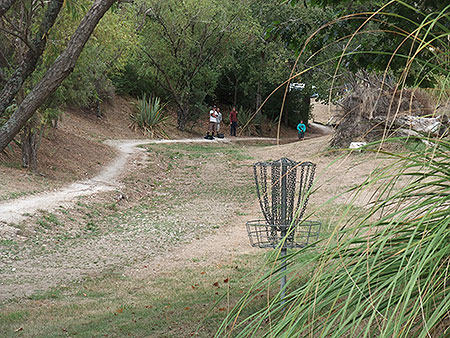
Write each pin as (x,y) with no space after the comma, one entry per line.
(259,85)
(307,104)
(30,141)
(5,5)
(28,64)
(182,115)
(59,70)
(258,95)
(286,111)
(236,87)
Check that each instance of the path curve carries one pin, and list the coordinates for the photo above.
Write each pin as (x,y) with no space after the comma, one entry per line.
(17,209)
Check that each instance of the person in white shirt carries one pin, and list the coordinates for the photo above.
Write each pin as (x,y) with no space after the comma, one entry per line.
(212,123)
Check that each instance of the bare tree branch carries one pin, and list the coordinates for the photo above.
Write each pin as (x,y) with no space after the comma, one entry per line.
(5,5)
(16,35)
(28,65)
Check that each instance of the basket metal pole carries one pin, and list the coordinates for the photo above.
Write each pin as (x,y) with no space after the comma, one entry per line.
(283,226)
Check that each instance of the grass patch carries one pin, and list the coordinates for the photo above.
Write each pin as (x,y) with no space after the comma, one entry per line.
(8,243)
(194,151)
(175,304)
(12,165)
(48,220)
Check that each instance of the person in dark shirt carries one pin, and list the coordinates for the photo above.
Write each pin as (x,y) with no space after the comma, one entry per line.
(233,121)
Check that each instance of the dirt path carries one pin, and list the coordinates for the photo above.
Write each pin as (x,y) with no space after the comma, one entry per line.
(138,237)
(15,210)
(48,262)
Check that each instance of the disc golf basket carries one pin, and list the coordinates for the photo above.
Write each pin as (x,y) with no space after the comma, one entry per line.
(283,189)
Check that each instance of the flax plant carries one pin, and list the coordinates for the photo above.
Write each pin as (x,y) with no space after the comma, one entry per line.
(150,115)
(384,273)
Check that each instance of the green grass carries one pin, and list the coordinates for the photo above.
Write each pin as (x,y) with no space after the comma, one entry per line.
(8,242)
(13,165)
(17,194)
(166,304)
(48,220)
(174,304)
(195,151)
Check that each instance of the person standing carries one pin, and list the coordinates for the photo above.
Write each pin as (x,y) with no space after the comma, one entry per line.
(233,121)
(212,123)
(219,119)
(301,128)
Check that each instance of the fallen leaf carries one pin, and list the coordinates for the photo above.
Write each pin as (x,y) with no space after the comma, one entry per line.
(192,286)
(222,309)
(226,280)
(187,308)
(216,284)
(148,306)
(119,310)
(203,272)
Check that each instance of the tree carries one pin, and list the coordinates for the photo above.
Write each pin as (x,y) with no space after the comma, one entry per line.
(265,55)
(58,71)
(107,51)
(183,42)
(381,38)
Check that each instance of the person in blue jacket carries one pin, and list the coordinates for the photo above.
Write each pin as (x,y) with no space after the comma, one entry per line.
(301,130)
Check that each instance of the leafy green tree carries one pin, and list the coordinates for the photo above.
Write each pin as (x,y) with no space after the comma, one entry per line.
(184,43)
(107,51)
(266,55)
(28,49)
(373,35)
(110,44)
(55,74)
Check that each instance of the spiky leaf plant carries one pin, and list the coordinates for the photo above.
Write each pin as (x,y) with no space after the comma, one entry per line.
(250,123)
(150,115)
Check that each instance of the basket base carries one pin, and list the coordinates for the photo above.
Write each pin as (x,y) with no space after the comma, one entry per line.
(264,235)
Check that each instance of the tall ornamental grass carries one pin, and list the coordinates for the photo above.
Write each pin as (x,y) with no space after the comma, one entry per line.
(385,273)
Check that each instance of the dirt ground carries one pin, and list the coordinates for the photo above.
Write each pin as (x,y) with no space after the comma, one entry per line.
(162,206)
